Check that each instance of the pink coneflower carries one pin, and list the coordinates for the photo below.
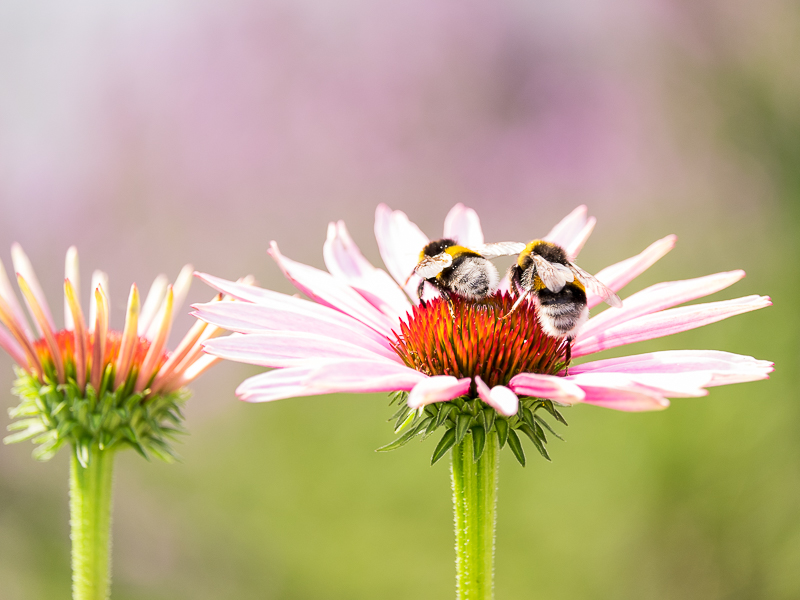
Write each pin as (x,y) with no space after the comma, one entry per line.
(90,385)
(474,368)
(363,330)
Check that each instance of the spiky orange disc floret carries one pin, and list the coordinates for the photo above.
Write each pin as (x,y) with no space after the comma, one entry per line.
(477,341)
(65,340)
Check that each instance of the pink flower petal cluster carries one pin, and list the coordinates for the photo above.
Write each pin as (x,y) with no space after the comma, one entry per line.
(341,338)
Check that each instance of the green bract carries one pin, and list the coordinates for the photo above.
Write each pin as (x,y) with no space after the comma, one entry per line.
(471,415)
(55,414)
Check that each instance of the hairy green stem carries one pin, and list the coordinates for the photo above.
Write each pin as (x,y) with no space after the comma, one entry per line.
(475,506)
(90,523)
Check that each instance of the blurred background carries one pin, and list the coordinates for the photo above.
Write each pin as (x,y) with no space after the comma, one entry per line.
(152,134)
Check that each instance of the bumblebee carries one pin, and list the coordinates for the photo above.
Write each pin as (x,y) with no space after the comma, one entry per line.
(559,287)
(454,269)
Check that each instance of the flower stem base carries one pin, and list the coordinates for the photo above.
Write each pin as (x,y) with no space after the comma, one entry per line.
(475,506)
(90,524)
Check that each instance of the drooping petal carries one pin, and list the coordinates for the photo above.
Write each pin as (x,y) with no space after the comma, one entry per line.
(667,322)
(41,321)
(684,385)
(463,225)
(363,376)
(572,231)
(554,388)
(345,261)
(291,306)
(500,398)
(152,302)
(130,336)
(244,317)
(438,388)
(287,349)
(400,243)
(24,269)
(659,297)
(71,273)
(723,367)
(618,275)
(275,385)
(624,400)
(322,287)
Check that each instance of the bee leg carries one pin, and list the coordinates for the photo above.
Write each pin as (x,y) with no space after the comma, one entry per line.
(449,299)
(568,356)
(421,289)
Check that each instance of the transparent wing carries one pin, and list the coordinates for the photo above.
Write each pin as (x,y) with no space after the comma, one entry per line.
(431,266)
(595,286)
(499,249)
(553,275)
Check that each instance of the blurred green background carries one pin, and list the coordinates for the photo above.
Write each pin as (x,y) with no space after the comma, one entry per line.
(152,134)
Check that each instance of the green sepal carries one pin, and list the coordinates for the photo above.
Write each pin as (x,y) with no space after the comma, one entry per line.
(462,426)
(488,415)
(516,446)
(544,423)
(478,442)
(501,425)
(404,421)
(406,437)
(532,434)
(447,442)
(443,412)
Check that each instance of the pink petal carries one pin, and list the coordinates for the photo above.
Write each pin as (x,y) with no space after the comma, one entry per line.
(624,400)
(659,297)
(618,275)
(500,398)
(322,287)
(573,231)
(667,322)
(439,388)
(723,367)
(554,388)
(275,385)
(286,349)
(23,267)
(363,376)
(245,317)
(345,261)
(684,385)
(400,243)
(10,345)
(291,304)
(462,224)
(7,294)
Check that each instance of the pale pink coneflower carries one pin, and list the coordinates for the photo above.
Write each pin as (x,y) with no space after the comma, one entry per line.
(363,330)
(88,384)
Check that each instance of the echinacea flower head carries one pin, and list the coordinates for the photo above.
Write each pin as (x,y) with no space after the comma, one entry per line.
(90,385)
(460,365)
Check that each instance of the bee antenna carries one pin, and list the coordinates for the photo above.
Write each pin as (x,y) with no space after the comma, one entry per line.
(409,278)
(516,306)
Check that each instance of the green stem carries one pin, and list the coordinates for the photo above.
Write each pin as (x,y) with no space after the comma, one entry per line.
(475,505)
(90,522)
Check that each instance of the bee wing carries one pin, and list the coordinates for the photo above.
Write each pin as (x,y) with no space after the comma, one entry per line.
(553,275)
(431,266)
(595,286)
(499,249)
